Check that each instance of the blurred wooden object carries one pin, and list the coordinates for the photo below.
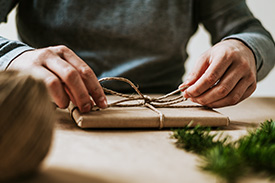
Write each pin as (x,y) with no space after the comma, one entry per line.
(26,124)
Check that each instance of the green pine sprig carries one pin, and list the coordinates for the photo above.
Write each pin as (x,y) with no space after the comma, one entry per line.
(224,161)
(196,139)
(258,148)
(254,152)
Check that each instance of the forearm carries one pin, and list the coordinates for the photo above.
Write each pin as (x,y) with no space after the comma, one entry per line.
(10,50)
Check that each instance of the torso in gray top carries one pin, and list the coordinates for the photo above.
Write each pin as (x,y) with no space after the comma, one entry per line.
(142,40)
(139,40)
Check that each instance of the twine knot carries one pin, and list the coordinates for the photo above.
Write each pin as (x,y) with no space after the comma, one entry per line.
(145,100)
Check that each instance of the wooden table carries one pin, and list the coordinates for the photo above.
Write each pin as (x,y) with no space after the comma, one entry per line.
(137,156)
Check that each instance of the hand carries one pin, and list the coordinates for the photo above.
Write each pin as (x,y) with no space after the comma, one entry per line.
(223,76)
(66,76)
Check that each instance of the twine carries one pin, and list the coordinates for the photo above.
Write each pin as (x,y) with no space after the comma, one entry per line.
(144,100)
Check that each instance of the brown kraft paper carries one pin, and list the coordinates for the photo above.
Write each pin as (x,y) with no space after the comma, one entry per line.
(143,117)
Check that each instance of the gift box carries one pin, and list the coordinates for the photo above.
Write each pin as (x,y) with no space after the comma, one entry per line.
(143,116)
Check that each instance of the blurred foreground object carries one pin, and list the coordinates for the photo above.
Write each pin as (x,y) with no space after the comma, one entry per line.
(26,124)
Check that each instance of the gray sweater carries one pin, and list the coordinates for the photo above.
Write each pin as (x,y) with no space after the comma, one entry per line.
(143,40)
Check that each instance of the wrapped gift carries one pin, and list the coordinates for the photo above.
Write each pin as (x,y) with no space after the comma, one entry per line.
(144,117)
(142,111)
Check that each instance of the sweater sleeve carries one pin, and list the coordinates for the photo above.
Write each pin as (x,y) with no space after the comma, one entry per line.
(232,19)
(9,49)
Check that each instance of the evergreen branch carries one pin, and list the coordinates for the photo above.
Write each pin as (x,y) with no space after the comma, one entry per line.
(197,139)
(231,160)
(225,162)
(258,148)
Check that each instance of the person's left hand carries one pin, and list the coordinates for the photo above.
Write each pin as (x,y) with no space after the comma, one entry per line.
(223,76)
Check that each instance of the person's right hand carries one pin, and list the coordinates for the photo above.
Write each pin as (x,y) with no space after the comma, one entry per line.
(66,76)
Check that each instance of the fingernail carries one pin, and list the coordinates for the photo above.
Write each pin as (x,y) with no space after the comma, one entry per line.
(186,94)
(86,107)
(181,85)
(103,102)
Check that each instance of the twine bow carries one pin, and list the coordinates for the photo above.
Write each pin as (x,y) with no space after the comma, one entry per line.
(144,100)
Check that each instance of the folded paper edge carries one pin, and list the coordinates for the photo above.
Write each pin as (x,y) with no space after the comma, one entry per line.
(75,115)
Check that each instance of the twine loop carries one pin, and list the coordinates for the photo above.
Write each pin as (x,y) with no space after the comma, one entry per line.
(144,100)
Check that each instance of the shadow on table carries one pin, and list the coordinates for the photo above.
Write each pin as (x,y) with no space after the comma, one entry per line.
(56,175)
(237,125)
(71,126)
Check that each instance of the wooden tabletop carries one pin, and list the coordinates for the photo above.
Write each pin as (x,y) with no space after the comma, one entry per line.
(135,155)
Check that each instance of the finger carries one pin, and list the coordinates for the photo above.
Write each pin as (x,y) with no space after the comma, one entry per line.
(54,86)
(200,67)
(226,84)
(197,71)
(248,92)
(69,75)
(70,95)
(87,75)
(240,92)
(212,75)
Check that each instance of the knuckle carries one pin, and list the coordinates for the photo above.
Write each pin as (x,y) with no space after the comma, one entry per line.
(86,72)
(212,78)
(47,52)
(71,74)
(61,48)
(243,65)
(195,92)
(232,53)
(52,82)
(235,99)
(97,92)
(223,90)
(83,96)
